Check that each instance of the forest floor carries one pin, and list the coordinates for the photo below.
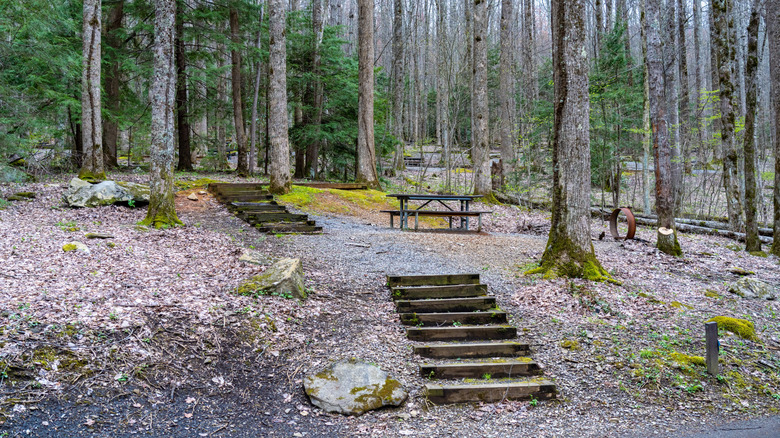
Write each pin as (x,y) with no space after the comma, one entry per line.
(142,336)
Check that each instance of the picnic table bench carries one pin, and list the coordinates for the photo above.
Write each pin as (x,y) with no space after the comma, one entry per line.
(462,211)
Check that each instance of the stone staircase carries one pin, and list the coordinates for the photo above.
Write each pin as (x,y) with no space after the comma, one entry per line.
(252,203)
(466,340)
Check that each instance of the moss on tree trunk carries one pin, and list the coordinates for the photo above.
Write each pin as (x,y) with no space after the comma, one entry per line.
(563,258)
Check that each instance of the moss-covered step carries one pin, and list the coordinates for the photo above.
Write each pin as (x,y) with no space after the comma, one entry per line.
(257,206)
(242,198)
(431,280)
(461,333)
(228,186)
(449,291)
(486,369)
(469,350)
(446,305)
(448,318)
(540,389)
(258,218)
(286,228)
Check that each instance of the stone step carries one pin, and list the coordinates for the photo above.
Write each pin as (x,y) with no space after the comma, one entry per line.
(234,186)
(491,369)
(442,350)
(242,198)
(490,392)
(447,318)
(446,305)
(462,333)
(289,229)
(430,292)
(431,280)
(257,206)
(259,218)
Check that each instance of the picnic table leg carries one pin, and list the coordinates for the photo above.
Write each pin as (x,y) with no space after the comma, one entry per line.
(480,223)
(416,220)
(467,218)
(391,220)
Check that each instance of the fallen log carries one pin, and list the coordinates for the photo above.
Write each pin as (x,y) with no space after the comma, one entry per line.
(686,228)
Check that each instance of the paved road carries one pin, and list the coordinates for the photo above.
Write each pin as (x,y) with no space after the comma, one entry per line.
(768,427)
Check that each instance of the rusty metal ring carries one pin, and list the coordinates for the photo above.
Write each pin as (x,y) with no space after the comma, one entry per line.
(629,218)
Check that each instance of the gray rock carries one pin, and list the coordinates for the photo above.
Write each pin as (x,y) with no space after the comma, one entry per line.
(282,278)
(75,246)
(752,288)
(254,258)
(80,193)
(192,197)
(352,388)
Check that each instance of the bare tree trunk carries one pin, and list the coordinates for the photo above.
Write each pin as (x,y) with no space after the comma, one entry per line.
(569,251)
(753,243)
(669,56)
(238,108)
(700,124)
(182,117)
(91,118)
(725,41)
(112,82)
(398,83)
(481,157)
(313,150)
(162,210)
(255,102)
(773,29)
(222,161)
(200,126)
(599,6)
(664,195)
(647,134)
(444,89)
(366,156)
(506,93)
(714,76)
(685,109)
(621,14)
(279,147)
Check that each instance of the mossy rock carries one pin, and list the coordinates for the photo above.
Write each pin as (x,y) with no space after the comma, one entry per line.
(198,183)
(75,246)
(709,293)
(684,359)
(741,327)
(283,278)
(572,345)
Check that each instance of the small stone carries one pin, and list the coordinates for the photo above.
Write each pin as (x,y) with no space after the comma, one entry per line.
(202,192)
(192,197)
(75,246)
(255,258)
(283,278)
(752,288)
(98,236)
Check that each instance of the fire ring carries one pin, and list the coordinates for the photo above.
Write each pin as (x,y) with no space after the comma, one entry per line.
(629,218)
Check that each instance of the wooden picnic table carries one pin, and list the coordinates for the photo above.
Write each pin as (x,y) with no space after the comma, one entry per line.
(455,205)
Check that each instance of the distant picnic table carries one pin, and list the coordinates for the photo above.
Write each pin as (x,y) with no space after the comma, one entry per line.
(456,206)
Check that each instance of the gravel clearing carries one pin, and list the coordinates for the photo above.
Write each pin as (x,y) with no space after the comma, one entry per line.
(215,363)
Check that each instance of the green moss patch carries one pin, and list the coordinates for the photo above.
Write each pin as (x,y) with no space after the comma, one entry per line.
(740,327)
(198,183)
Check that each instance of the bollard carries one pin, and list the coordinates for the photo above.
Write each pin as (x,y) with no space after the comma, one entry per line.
(711,336)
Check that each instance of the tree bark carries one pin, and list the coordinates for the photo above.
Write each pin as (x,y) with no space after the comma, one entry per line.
(112,82)
(685,108)
(222,159)
(506,92)
(398,83)
(481,147)
(162,210)
(91,117)
(279,152)
(664,195)
(569,251)
(671,93)
(255,102)
(725,41)
(313,150)
(773,29)
(444,90)
(647,139)
(751,77)
(366,155)
(238,107)
(700,125)
(182,117)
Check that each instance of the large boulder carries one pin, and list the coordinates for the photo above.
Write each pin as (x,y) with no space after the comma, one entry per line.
(752,288)
(352,387)
(283,278)
(81,193)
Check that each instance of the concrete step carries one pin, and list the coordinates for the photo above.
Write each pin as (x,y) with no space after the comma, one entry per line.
(538,388)
(448,318)
(446,305)
(463,333)
(430,292)
(431,280)
(490,369)
(468,350)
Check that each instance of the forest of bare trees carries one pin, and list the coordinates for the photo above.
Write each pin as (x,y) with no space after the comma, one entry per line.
(679,96)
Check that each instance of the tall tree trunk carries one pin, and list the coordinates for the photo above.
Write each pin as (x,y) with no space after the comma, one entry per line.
(621,15)
(255,102)
(599,28)
(112,82)
(222,160)
(530,87)
(569,251)
(506,92)
(714,77)
(238,107)
(162,210)
(91,118)
(200,127)
(182,117)
(700,125)
(685,108)
(398,83)
(313,150)
(444,89)
(481,157)
(279,147)
(366,156)
(753,243)
(664,195)
(725,41)
(647,139)
(669,56)
(773,29)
